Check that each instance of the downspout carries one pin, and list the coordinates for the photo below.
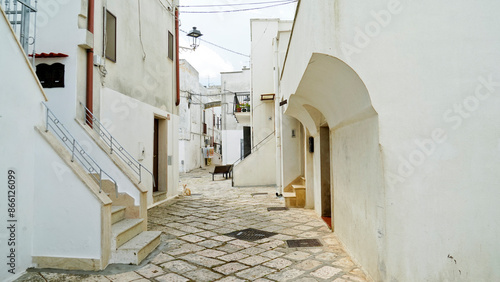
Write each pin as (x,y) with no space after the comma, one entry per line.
(277,118)
(177,79)
(89,97)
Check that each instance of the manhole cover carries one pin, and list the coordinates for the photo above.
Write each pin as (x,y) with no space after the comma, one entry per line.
(250,234)
(258,194)
(303,243)
(277,209)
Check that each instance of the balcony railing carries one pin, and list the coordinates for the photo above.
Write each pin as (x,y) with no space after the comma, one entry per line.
(22,16)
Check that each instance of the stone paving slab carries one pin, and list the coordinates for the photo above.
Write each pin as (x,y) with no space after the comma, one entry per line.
(195,247)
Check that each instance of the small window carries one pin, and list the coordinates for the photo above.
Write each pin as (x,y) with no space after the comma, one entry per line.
(110,36)
(170,46)
(50,76)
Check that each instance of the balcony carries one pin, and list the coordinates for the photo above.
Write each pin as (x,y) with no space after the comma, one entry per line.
(242,113)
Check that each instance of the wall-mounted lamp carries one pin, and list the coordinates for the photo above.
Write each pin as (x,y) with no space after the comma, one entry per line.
(194,34)
(267,97)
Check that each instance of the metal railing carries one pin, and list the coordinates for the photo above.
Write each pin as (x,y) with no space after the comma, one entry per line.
(77,151)
(251,150)
(22,16)
(114,146)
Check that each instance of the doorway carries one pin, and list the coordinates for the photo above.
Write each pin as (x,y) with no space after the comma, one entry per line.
(161,160)
(247,141)
(155,154)
(326,191)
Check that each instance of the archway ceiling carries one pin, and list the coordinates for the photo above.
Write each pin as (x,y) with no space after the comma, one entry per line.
(334,89)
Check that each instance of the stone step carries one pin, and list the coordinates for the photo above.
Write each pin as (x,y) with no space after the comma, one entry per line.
(290,199)
(125,230)
(137,249)
(300,193)
(117,214)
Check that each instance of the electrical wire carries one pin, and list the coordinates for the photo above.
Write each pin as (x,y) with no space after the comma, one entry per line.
(218,46)
(240,10)
(234,4)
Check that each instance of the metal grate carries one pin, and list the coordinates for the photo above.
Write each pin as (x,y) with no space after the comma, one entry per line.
(250,234)
(195,194)
(277,209)
(258,194)
(303,243)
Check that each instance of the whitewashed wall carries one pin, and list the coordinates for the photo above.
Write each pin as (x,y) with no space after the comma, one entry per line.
(431,74)
(262,55)
(24,151)
(231,148)
(131,122)
(244,174)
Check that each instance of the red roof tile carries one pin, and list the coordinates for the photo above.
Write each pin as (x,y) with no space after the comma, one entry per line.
(49,55)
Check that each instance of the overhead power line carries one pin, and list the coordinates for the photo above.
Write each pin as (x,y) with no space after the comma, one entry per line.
(234,4)
(218,46)
(240,10)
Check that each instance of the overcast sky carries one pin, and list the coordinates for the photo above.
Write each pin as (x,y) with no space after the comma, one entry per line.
(230,30)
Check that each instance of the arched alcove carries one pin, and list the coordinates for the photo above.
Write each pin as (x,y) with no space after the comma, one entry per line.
(331,93)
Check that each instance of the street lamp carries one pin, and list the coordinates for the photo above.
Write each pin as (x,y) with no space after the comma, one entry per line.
(194,34)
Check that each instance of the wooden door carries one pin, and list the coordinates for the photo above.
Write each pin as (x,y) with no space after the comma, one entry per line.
(155,154)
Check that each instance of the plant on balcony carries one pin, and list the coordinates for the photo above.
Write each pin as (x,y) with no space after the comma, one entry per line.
(238,108)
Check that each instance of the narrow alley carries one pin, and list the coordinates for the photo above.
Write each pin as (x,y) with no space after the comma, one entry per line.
(195,246)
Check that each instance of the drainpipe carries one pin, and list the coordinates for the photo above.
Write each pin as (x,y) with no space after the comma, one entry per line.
(89,98)
(177,79)
(277,118)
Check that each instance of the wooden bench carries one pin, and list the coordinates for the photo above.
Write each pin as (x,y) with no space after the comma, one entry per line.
(226,170)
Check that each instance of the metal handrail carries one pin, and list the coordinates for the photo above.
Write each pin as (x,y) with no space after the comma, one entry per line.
(251,150)
(114,145)
(77,151)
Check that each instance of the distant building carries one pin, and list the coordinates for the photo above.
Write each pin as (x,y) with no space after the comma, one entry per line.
(263,150)
(236,109)
(200,120)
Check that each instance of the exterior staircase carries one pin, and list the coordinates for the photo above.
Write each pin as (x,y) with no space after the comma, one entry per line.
(130,240)
(295,193)
(124,235)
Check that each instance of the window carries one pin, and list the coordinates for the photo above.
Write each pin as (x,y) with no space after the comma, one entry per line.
(170,46)
(110,36)
(50,76)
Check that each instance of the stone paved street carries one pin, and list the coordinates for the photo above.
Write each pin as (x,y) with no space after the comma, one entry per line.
(195,248)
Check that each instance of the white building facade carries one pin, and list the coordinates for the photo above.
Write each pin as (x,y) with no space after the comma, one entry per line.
(265,115)
(85,176)
(399,141)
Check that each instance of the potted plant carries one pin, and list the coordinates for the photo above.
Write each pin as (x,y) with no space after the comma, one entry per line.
(247,107)
(238,108)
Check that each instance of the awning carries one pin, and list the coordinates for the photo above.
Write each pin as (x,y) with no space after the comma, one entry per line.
(49,55)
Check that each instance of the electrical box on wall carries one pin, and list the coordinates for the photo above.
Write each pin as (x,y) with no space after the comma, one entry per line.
(311,144)
(142,151)
(98,60)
